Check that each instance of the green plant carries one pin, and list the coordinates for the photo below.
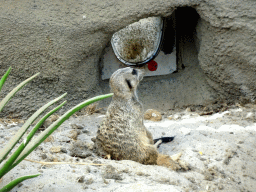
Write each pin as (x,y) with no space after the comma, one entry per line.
(27,146)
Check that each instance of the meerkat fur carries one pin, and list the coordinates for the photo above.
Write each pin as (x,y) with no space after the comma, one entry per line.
(122,134)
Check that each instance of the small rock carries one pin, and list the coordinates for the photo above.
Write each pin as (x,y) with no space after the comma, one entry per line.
(74,134)
(51,158)
(86,131)
(208,176)
(105,181)
(80,179)
(220,186)
(91,158)
(141,174)
(49,139)
(43,156)
(80,149)
(90,109)
(75,126)
(102,111)
(110,173)
(19,185)
(152,115)
(64,150)
(88,169)
(93,139)
(55,149)
(206,109)
(191,179)
(228,157)
(170,117)
(163,180)
(50,120)
(85,187)
(89,181)
(224,109)
(174,117)
(192,108)
(188,110)
(206,113)
(97,162)
(125,170)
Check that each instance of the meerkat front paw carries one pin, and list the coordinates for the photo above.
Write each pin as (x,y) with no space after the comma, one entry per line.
(167,161)
(183,165)
(173,162)
(176,157)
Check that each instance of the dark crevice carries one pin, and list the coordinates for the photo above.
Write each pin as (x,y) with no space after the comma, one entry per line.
(186,21)
(169,33)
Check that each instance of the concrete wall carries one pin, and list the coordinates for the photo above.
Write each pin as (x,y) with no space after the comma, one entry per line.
(64,40)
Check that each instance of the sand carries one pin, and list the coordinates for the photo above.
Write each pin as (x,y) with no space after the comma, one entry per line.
(218,148)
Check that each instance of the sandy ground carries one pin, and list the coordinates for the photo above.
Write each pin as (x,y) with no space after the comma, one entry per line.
(219,149)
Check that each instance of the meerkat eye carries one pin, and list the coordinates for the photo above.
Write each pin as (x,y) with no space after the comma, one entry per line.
(129,83)
(134,72)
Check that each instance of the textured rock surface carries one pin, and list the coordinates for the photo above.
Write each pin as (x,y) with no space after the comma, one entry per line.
(64,40)
(227,34)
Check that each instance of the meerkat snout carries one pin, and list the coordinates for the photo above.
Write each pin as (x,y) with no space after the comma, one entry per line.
(124,81)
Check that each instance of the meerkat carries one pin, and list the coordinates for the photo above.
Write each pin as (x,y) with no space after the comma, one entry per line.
(122,134)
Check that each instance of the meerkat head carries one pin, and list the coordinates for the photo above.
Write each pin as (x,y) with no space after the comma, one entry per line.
(124,82)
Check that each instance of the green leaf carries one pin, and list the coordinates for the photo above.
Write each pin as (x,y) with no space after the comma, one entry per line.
(3,79)
(40,138)
(12,142)
(15,182)
(14,91)
(7,166)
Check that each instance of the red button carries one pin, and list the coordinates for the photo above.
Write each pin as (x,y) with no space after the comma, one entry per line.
(152,65)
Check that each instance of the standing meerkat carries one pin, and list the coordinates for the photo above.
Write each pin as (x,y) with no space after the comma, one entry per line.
(122,134)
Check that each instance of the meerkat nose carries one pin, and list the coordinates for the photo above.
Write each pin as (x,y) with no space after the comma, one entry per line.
(134,72)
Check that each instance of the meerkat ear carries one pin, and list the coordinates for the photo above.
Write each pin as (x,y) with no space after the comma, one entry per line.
(128,83)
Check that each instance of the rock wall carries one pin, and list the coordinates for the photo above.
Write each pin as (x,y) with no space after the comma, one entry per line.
(64,40)
(227,36)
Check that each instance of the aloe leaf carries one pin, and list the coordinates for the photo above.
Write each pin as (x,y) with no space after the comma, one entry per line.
(15,182)
(7,166)
(40,138)
(14,91)
(12,142)
(3,79)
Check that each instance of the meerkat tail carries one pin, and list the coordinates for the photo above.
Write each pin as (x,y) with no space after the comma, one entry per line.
(164,139)
(158,143)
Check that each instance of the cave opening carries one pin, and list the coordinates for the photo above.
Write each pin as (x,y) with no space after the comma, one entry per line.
(186,19)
